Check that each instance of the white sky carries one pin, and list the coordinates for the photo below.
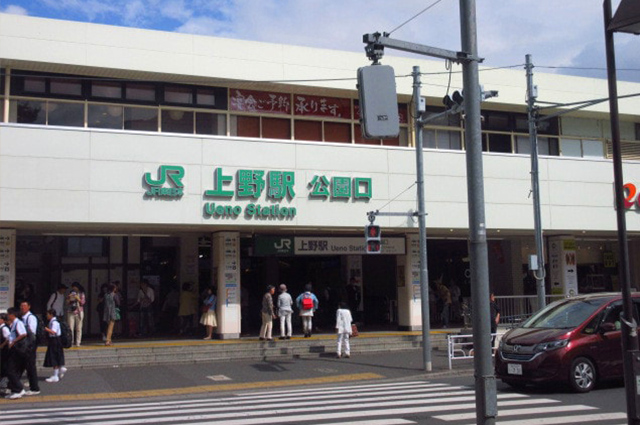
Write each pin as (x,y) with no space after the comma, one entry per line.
(558,33)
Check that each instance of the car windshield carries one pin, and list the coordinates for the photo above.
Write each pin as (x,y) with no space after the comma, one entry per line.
(564,314)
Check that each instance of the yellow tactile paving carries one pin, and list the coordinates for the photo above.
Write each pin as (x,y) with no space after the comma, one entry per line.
(194,390)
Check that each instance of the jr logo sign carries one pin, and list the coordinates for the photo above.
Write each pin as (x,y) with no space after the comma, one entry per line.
(172,173)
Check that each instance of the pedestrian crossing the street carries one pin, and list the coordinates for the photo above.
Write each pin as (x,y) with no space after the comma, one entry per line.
(399,403)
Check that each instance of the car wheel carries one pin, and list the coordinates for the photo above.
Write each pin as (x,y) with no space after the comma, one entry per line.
(582,375)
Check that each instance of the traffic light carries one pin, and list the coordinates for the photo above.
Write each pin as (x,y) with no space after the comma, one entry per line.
(455,102)
(373,244)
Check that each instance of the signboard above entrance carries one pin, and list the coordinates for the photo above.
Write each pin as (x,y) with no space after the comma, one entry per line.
(320,245)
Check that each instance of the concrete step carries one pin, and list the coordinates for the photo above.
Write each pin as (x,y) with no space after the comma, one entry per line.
(137,353)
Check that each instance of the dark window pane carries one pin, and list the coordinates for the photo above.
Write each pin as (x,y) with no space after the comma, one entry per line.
(27,112)
(66,114)
(429,139)
(107,90)
(549,126)
(522,123)
(207,123)
(67,87)
(177,121)
(105,116)
(496,121)
(276,128)
(337,132)
(141,92)
(500,143)
(359,139)
(449,120)
(206,97)
(181,95)
(34,85)
(245,126)
(144,119)
(637,131)
(308,130)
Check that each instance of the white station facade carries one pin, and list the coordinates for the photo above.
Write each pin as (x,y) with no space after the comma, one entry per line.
(129,154)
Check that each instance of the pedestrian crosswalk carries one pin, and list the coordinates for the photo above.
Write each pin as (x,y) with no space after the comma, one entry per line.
(397,403)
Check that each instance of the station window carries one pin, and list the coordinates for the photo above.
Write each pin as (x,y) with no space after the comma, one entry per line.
(137,92)
(582,148)
(66,87)
(105,116)
(242,126)
(177,121)
(27,112)
(178,95)
(492,142)
(337,132)
(106,89)
(34,85)
(546,145)
(208,123)
(65,114)
(308,130)
(276,128)
(142,119)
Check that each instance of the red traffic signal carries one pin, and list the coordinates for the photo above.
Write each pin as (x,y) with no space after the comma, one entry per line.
(372,233)
(373,247)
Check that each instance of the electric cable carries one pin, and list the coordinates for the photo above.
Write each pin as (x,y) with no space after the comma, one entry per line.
(414,17)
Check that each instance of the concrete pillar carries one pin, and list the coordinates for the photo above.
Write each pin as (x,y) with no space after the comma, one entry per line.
(409,303)
(7,268)
(226,266)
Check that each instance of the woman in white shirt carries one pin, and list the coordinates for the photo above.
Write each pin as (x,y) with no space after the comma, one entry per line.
(343,327)
(55,352)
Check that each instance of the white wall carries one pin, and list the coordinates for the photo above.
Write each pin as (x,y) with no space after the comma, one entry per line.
(92,176)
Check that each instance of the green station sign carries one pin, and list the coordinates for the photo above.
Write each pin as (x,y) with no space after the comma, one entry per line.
(277,186)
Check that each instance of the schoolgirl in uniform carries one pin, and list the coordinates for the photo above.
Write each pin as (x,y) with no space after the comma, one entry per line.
(55,352)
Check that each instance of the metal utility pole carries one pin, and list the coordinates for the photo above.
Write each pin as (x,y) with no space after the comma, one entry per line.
(535,183)
(486,397)
(485,380)
(424,276)
(630,345)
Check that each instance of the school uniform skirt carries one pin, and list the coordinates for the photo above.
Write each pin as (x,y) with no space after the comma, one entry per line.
(209,319)
(55,353)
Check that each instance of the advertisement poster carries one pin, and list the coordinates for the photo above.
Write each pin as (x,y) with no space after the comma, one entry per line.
(7,268)
(563,266)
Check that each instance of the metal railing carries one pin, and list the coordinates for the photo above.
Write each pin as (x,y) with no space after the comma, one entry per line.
(460,347)
(516,308)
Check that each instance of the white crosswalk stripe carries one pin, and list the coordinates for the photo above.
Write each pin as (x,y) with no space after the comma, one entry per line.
(400,403)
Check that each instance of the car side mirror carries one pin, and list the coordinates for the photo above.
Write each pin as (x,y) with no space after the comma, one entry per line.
(607,327)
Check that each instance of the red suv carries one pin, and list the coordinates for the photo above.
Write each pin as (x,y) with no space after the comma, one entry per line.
(574,340)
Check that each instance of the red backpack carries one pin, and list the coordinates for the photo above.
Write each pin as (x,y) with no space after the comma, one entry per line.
(307,302)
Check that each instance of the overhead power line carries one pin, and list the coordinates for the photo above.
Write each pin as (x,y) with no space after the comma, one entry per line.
(414,17)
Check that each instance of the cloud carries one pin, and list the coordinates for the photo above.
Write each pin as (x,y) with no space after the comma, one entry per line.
(15,10)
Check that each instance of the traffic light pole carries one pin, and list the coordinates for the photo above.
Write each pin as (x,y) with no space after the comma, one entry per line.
(485,380)
(424,275)
(535,184)
(486,393)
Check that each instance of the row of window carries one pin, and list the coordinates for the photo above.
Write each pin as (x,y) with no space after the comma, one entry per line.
(188,109)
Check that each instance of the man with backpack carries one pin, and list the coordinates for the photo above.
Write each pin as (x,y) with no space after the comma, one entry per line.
(30,322)
(56,300)
(307,303)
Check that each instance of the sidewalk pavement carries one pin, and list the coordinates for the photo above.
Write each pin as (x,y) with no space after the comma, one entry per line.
(230,376)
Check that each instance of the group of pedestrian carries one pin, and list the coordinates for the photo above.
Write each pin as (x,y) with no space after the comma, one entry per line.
(306,303)
(18,345)
(70,306)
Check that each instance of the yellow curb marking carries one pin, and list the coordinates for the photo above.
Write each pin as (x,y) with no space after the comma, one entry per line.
(197,389)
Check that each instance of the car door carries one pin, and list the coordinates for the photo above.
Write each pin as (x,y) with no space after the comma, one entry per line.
(608,350)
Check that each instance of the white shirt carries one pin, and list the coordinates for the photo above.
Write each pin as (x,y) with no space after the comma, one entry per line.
(54,325)
(343,321)
(56,302)
(5,331)
(17,329)
(30,320)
